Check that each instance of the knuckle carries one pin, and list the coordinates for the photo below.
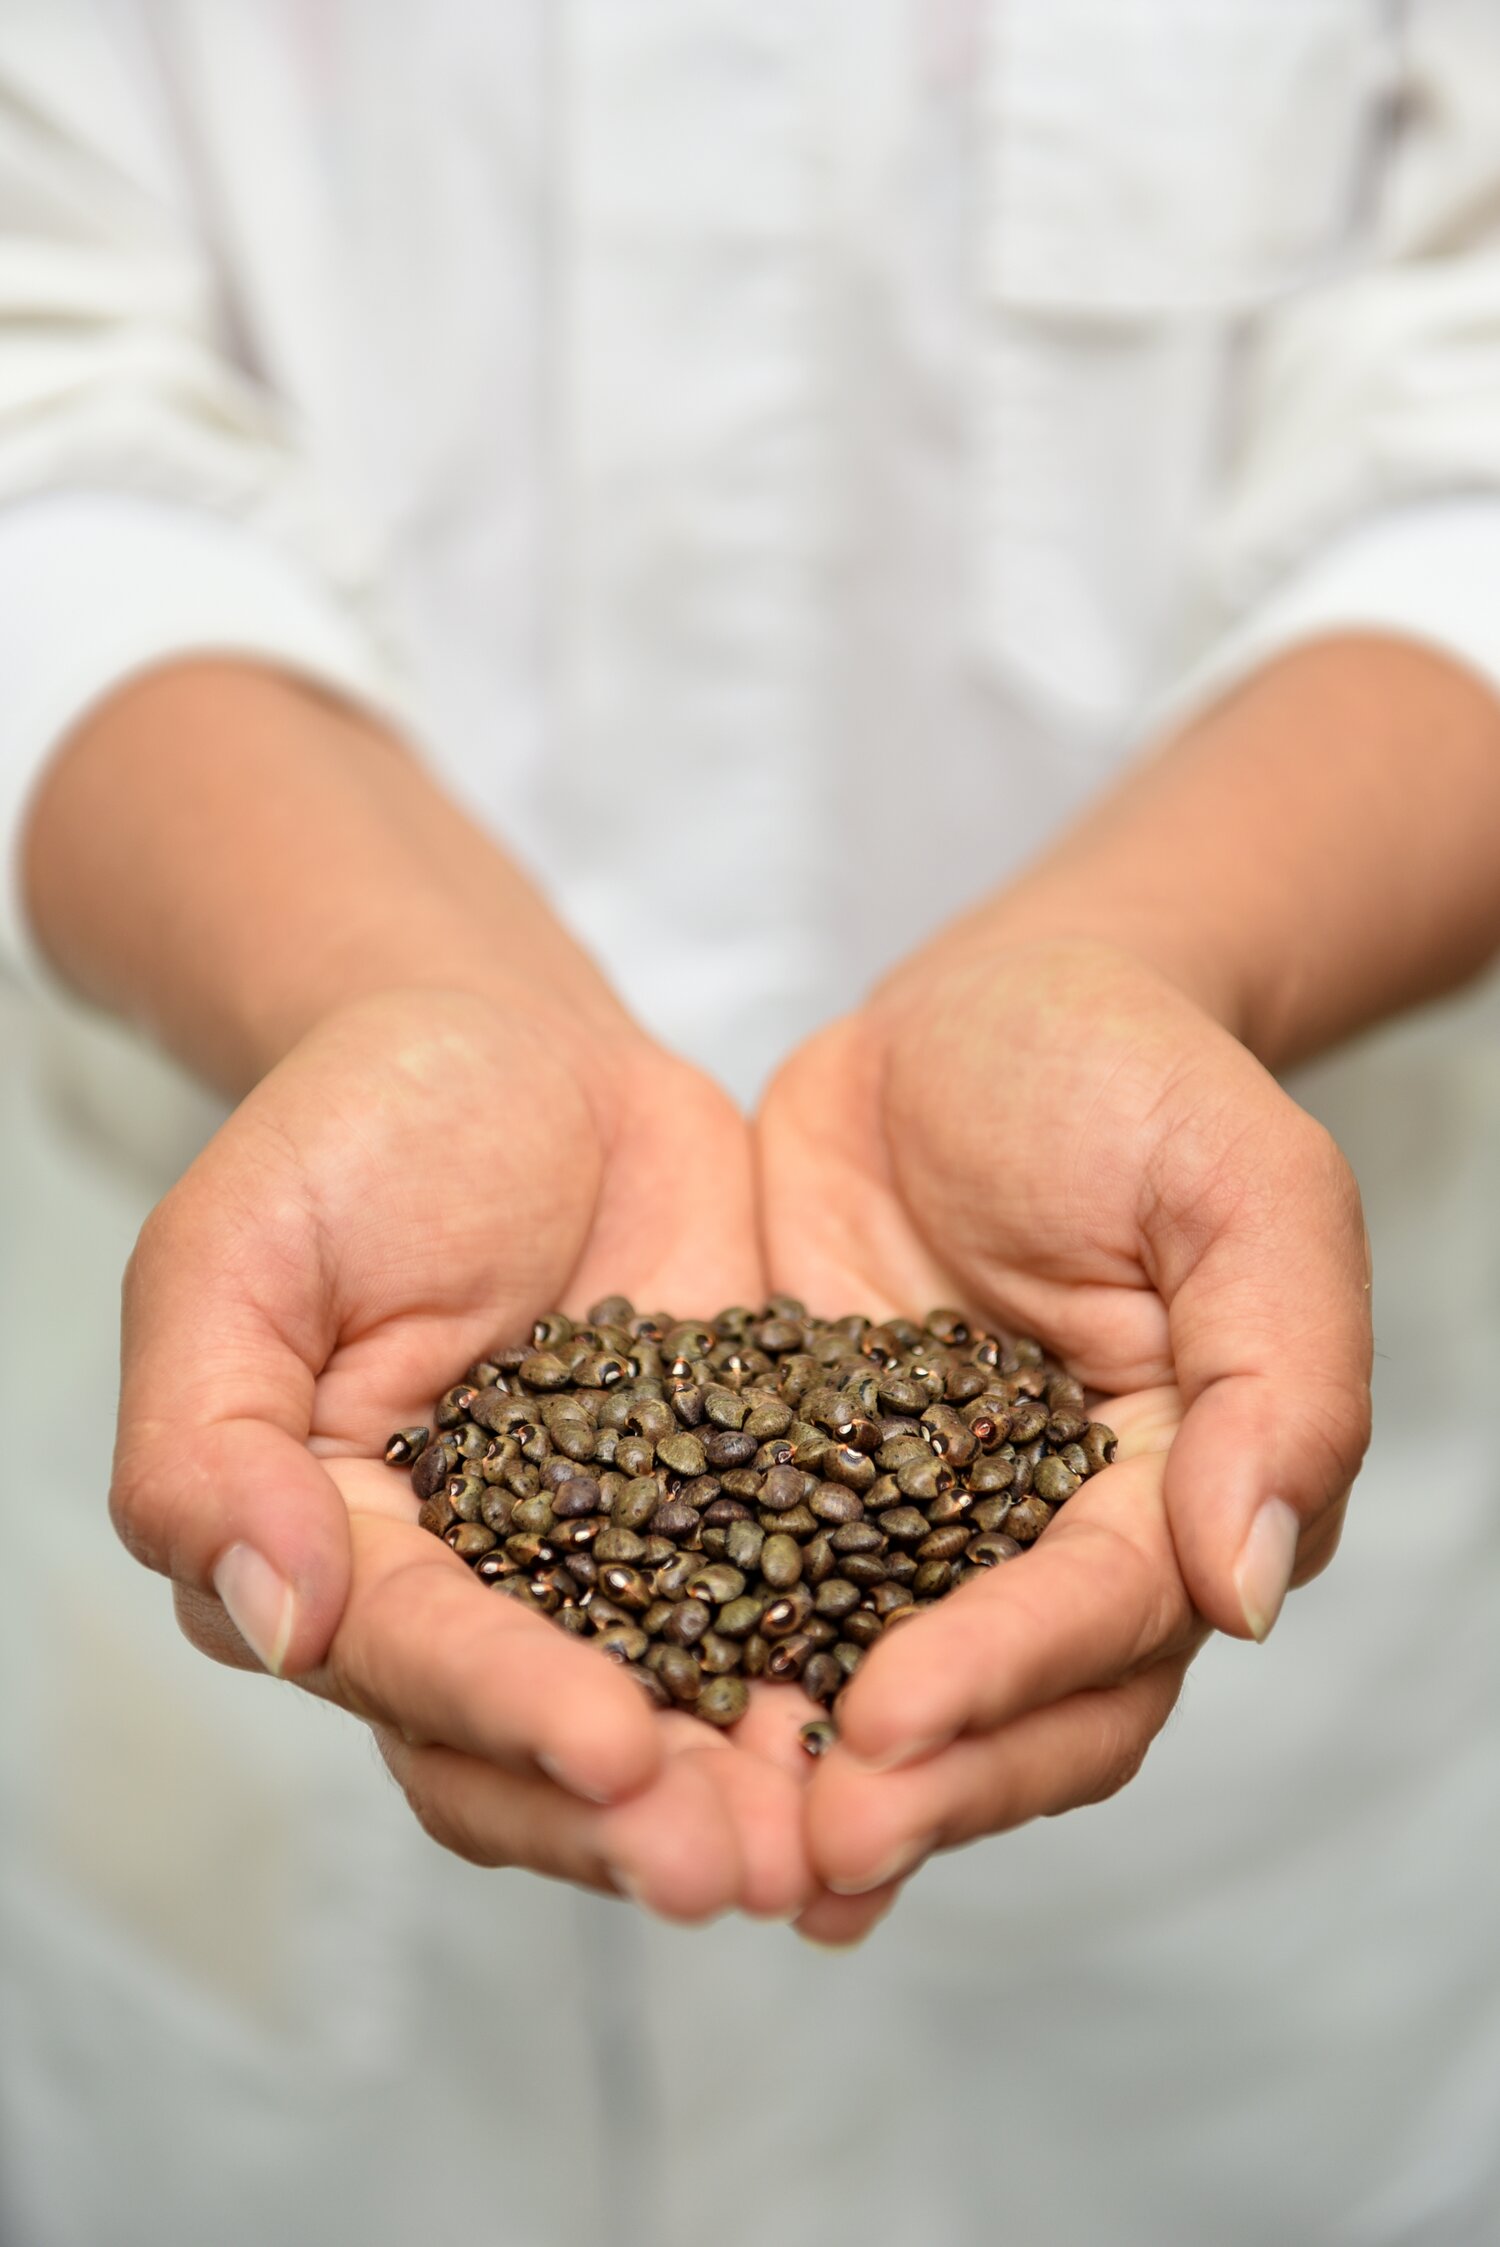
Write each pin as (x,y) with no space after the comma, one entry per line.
(1330,1179)
(442,1818)
(430,1812)
(1122,1739)
(1320,1541)
(154,1248)
(208,1630)
(1337,1418)
(132,1507)
(346,1671)
(367,1667)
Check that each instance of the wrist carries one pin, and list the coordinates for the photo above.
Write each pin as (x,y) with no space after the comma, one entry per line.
(440,952)
(227,857)
(1042,913)
(1313,852)
(424,1017)
(1020,934)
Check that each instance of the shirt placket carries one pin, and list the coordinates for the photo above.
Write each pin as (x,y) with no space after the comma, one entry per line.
(685,476)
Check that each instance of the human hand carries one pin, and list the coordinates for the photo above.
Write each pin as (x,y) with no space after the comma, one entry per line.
(1056,1136)
(421,1175)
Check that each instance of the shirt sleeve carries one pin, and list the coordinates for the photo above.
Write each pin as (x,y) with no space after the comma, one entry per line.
(154,499)
(1428,572)
(1362,490)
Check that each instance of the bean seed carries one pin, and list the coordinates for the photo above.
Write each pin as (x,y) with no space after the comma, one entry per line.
(759,1494)
(615,1543)
(1054,1481)
(904,1524)
(837,1597)
(786,1613)
(991,1513)
(623,1642)
(470,1539)
(741,1616)
(781,1490)
(745,1544)
(403,1446)
(781,1562)
(723,1700)
(1026,1521)
(990,1548)
(789,1656)
(924,1478)
(436,1515)
(678,1670)
(817,1559)
(688,1621)
(650,1685)
(676,1519)
(932,1579)
(857,1537)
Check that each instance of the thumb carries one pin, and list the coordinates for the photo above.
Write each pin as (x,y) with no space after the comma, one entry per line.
(213,1484)
(1263,1261)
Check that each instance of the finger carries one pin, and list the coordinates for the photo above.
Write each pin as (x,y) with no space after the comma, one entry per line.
(675,1222)
(841,1923)
(1146,1421)
(866,1830)
(493,1818)
(771,1728)
(1098,1596)
(764,1806)
(213,1484)
(1266,1275)
(671,1849)
(820,1122)
(425,1648)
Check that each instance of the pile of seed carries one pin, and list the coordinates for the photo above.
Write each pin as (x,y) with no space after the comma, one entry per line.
(762,1494)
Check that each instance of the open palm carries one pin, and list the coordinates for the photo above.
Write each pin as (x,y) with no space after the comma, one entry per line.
(421,1177)
(1059,1141)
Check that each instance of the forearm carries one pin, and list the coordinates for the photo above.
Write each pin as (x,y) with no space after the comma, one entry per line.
(223,856)
(1320,850)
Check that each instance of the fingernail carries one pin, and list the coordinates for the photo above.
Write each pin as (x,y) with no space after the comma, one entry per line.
(568,1780)
(822,1942)
(261,1604)
(909,1751)
(1264,1568)
(901,1861)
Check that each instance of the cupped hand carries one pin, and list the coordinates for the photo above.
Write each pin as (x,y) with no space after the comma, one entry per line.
(1055,1137)
(422,1175)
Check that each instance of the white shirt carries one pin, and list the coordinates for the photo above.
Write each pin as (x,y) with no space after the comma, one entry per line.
(774,456)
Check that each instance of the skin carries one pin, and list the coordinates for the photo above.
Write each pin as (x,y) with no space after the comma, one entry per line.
(313,1281)
(448,1124)
(1114,1210)
(1053,1114)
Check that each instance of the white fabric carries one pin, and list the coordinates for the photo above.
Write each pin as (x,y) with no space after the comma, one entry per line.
(778,451)
(1428,572)
(98,587)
